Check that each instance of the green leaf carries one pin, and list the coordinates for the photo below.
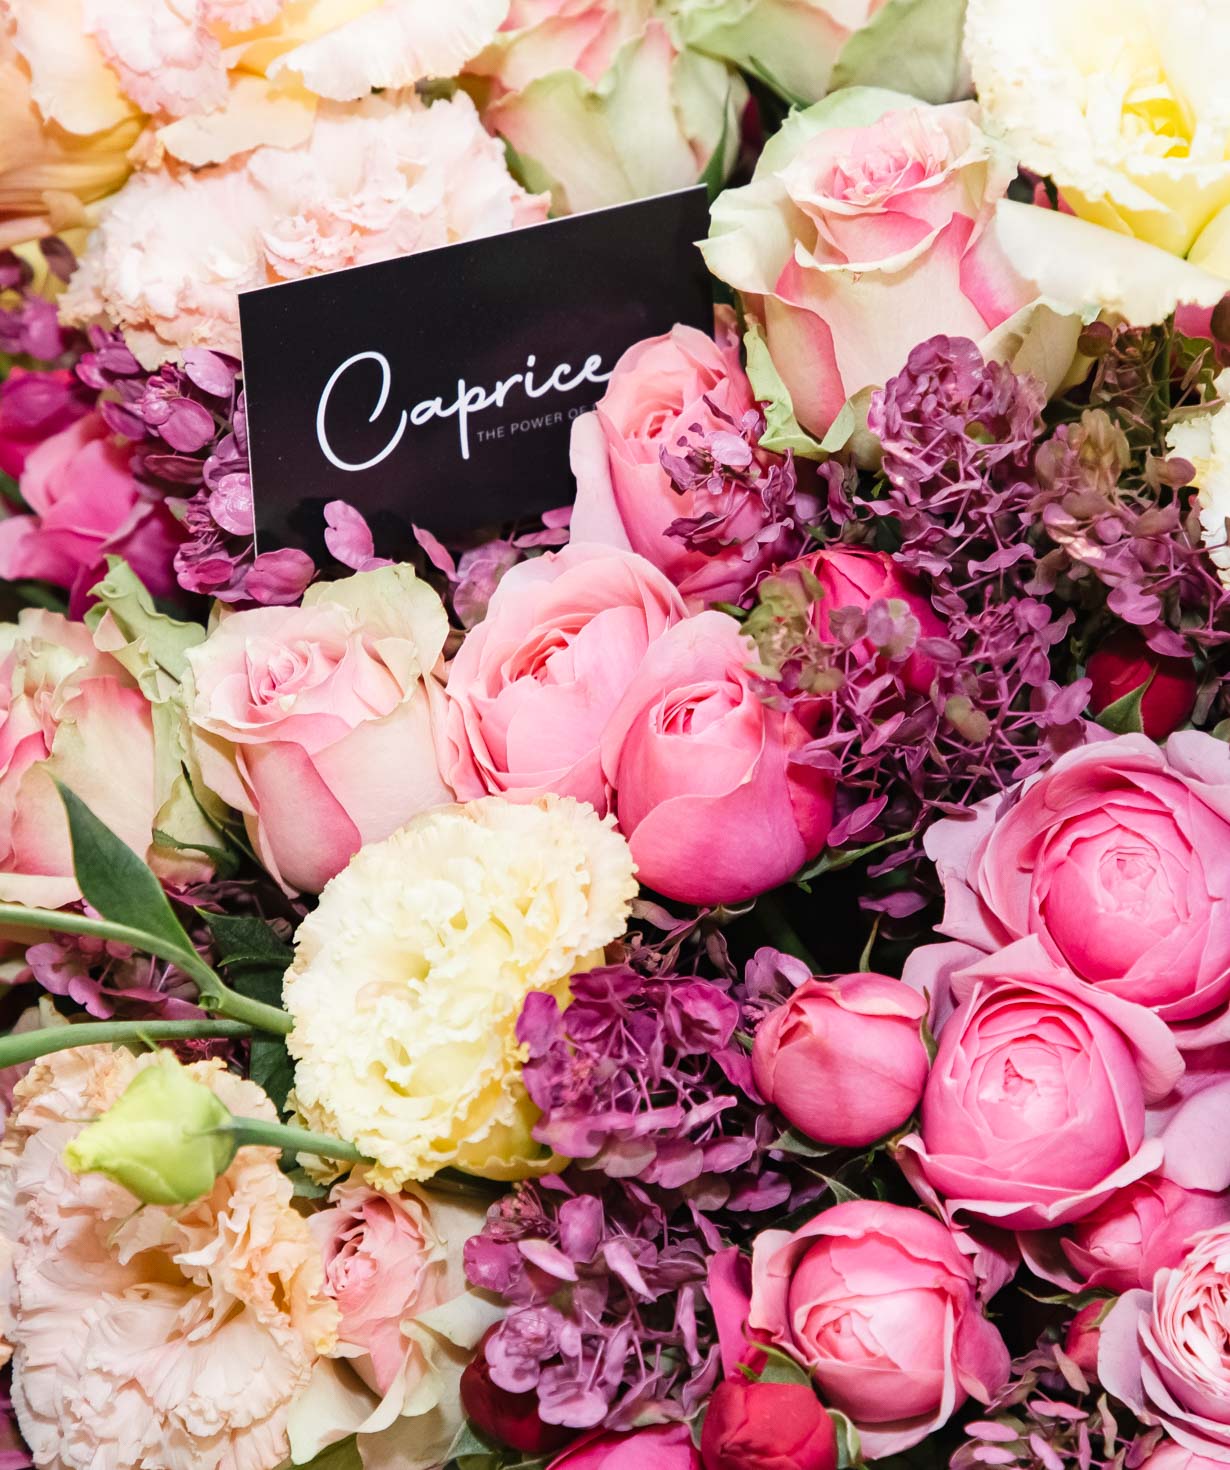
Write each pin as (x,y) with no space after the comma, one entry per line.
(911,46)
(344,1455)
(782,430)
(794,1142)
(779,1368)
(834,862)
(849,1447)
(468,1441)
(1124,717)
(114,881)
(248,943)
(256,961)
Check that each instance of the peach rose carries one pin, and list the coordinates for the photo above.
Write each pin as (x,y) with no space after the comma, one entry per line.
(534,685)
(315,721)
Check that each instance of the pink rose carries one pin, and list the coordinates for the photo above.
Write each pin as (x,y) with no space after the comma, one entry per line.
(882,1306)
(767,1426)
(1084,1336)
(850,577)
(315,721)
(844,1060)
(664,1447)
(535,683)
(866,229)
(70,711)
(384,1264)
(1171,1456)
(659,390)
(1118,859)
(1164,1353)
(87,505)
(705,792)
(33,407)
(1034,1112)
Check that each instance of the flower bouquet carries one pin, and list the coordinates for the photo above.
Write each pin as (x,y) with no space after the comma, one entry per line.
(731,973)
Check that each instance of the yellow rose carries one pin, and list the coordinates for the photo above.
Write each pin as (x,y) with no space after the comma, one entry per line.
(1123,103)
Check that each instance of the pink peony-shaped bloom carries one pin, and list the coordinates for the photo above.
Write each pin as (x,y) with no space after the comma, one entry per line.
(1164,1352)
(881,1305)
(33,407)
(660,390)
(844,1060)
(534,685)
(87,505)
(867,228)
(170,1338)
(74,713)
(851,577)
(315,721)
(1117,858)
(705,792)
(376,179)
(665,1447)
(1034,1112)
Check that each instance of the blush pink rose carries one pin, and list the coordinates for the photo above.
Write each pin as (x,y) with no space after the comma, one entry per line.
(664,1447)
(851,577)
(384,1264)
(705,791)
(533,686)
(881,1305)
(33,407)
(659,390)
(1034,1112)
(1171,1456)
(87,505)
(1117,858)
(1163,1353)
(867,228)
(316,723)
(843,1060)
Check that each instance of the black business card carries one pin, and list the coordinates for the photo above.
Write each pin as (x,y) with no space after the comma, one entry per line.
(439,389)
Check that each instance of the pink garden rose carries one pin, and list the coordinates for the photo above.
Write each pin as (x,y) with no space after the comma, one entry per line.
(851,577)
(1172,1456)
(1164,1352)
(315,721)
(843,1060)
(87,505)
(659,390)
(1034,1112)
(1117,858)
(664,1447)
(705,792)
(866,229)
(534,685)
(767,1426)
(881,1305)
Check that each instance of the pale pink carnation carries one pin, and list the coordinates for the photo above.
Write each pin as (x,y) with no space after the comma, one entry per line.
(171,1339)
(383,178)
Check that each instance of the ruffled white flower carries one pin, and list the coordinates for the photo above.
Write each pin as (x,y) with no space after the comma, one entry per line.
(410,975)
(1123,103)
(1204,440)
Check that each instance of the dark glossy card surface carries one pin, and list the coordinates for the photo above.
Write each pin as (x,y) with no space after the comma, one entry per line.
(439,389)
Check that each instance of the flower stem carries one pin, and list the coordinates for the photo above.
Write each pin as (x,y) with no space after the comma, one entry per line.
(300,1140)
(771,913)
(25,1046)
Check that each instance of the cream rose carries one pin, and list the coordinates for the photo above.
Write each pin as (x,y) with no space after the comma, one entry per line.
(1124,104)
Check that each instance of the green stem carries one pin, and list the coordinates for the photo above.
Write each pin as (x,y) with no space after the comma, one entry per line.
(25,1046)
(216,996)
(299,1140)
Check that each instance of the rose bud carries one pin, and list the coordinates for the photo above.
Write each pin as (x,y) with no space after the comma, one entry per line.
(661,1447)
(509,1418)
(1084,1334)
(767,1426)
(1125,662)
(843,1060)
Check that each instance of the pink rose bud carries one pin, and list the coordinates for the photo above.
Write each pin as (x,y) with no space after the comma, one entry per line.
(509,1418)
(844,1060)
(1125,663)
(664,1447)
(1081,1343)
(767,1426)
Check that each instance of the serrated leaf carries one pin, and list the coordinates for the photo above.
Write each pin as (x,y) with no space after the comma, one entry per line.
(117,884)
(1125,716)
(244,941)
(255,961)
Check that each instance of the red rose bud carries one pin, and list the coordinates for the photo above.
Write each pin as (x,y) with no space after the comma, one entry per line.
(1084,1334)
(1123,663)
(767,1426)
(509,1418)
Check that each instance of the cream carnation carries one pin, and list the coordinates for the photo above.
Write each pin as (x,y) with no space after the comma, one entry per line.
(169,1338)
(1123,103)
(377,179)
(410,975)
(1204,440)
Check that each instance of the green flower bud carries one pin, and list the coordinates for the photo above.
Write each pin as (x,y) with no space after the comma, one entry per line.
(165,1140)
